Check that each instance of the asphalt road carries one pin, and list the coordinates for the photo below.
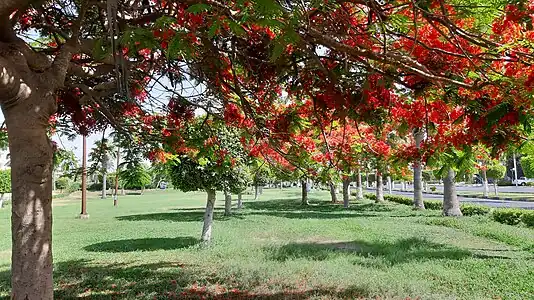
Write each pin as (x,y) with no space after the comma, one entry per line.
(479,188)
(488,202)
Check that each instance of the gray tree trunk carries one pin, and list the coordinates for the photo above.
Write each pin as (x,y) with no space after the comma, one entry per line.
(346,193)
(239,201)
(256,191)
(333,194)
(304,186)
(1,200)
(418,203)
(227,203)
(379,188)
(208,216)
(359,188)
(495,188)
(485,183)
(451,204)
(390,185)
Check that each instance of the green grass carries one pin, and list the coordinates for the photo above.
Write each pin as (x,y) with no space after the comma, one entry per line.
(148,248)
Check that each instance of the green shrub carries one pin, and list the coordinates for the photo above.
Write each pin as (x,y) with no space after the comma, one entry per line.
(510,216)
(530,183)
(398,199)
(504,182)
(433,188)
(433,204)
(73,187)
(63,183)
(474,210)
(353,193)
(528,218)
(95,187)
(370,196)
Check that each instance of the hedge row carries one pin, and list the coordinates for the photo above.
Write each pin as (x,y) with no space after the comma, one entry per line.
(510,216)
(514,216)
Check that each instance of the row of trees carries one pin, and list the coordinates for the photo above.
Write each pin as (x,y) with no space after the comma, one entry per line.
(315,89)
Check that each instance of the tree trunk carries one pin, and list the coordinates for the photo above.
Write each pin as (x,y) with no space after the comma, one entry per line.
(31,219)
(304,186)
(379,188)
(495,188)
(418,203)
(117,171)
(333,195)
(359,188)
(390,185)
(239,201)
(485,183)
(208,217)
(451,204)
(104,185)
(83,213)
(227,203)
(346,193)
(53,181)
(256,191)
(2,200)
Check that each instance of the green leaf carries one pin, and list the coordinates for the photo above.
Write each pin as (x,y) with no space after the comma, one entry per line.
(497,112)
(235,27)
(213,29)
(198,8)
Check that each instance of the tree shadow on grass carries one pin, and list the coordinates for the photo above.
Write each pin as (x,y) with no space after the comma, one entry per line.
(293,204)
(182,216)
(84,279)
(393,253)
(148,244)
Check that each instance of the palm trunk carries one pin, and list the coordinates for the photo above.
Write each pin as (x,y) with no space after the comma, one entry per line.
(304,184)
(239,201)
(485,183)
(379,188)
(451,204)
(333,195)
(104,185)
(208,217)
(346,193)
(227,203)
(359,188)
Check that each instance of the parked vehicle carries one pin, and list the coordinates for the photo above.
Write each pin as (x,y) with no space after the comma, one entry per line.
(522,181)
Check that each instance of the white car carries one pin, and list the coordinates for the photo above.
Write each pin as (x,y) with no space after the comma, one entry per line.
(522,181)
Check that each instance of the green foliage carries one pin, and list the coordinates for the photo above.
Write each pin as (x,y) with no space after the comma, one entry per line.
(65,162)
(527,164)
(5,181)
(433,188)
(135,177)
(474,210)
(208,169)
(510,216)
(63,183)
(528,218)
(496,171)
(94,187)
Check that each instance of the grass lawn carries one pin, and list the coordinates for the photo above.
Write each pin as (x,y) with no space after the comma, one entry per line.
(147,248)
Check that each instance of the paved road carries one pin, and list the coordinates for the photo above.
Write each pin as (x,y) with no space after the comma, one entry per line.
(479,188)
(488,202)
